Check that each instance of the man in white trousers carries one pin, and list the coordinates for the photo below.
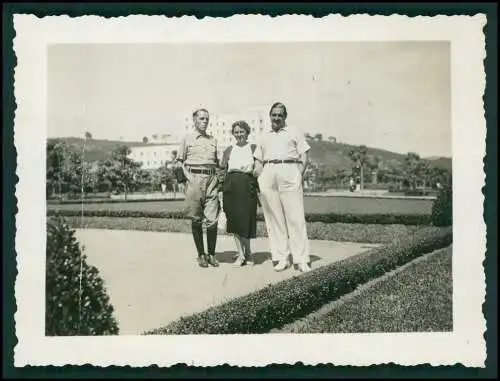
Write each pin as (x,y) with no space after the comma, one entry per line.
(282,155)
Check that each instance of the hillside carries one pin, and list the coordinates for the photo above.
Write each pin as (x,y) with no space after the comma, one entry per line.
(333,155)
(336,156)
(95,149)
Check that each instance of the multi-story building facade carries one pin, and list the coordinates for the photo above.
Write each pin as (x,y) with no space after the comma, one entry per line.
(153,155)
(157,151)
(220,124)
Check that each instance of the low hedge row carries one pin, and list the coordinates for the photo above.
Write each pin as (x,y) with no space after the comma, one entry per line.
(364,233)
(329,218)
(291,299)
(106,201)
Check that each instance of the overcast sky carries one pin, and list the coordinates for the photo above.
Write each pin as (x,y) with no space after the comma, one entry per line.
(394,96)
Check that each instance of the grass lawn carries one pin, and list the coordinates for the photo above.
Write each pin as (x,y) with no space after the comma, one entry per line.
(416,298)
(368,233)
(339,205)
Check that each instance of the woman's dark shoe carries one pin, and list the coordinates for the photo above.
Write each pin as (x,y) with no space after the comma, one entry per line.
(250,259)
(240,261)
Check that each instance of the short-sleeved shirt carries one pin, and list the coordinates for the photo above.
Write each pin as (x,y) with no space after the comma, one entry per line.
(284,144)
(241,159)
(199,149)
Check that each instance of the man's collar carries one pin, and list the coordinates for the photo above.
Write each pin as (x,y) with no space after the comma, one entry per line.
(281,129)
(198,134)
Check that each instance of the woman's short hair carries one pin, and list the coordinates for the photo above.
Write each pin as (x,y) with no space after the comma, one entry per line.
(241,124)
(278,105)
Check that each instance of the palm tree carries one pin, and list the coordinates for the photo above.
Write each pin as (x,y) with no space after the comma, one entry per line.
(413,168)
(359,156)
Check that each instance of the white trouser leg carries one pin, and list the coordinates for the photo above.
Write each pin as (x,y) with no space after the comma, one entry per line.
(273,214)
(292,199)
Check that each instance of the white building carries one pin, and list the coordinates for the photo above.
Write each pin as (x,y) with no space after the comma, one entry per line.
(158,149)
(220,124)
(170,138)
(153,155)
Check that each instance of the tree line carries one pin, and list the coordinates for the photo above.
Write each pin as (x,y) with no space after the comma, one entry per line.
(370,169)
(68,174)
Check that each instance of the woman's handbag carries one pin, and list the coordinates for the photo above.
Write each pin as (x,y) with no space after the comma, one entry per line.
(179,175)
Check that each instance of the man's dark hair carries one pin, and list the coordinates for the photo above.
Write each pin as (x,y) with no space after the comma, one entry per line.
(278,105)
(197,111)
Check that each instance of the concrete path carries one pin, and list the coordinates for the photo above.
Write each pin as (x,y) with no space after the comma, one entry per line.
(153,278)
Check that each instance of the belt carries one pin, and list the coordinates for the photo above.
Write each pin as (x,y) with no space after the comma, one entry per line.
(282,161)
(203,171)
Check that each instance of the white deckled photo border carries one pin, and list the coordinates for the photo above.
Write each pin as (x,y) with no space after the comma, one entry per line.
(465,345)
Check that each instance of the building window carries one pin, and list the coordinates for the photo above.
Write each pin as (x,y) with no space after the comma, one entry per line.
(253,129)
(154,153)
(142,153)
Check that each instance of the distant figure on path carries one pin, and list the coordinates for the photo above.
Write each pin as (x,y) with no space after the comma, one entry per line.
(282,155)
(352,184)
(199,156)
(240,191)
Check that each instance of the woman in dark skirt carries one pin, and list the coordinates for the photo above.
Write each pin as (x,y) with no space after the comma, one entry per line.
(240,191)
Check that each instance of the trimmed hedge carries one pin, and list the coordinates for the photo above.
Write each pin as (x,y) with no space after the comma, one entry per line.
(442,209)
(68,311)
(329,218)
(364,233)
(291,299)
(418,298)
(105,200)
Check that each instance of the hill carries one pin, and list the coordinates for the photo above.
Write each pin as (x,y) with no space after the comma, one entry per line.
(333,155)
(336,156)
(95,149)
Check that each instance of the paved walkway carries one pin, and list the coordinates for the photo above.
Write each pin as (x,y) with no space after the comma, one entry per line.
(153,278)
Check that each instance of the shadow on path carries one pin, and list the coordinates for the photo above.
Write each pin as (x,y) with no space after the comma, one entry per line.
(260,257)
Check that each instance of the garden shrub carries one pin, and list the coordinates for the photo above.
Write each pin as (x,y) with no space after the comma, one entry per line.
(68,311)
(329,218)
(294,298)
(442,208)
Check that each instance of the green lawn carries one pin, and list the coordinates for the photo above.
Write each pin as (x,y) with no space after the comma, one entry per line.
(416,299)
(339,205)
(368,233)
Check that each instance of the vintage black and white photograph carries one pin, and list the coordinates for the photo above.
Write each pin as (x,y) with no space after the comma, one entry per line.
(222,186)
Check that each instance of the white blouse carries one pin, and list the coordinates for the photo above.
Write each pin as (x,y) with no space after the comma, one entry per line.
(241,159)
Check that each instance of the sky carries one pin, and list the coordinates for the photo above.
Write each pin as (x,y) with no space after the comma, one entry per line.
(389,95)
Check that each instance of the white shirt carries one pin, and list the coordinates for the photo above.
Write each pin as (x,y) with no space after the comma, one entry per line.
(284,144)
(241,159)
